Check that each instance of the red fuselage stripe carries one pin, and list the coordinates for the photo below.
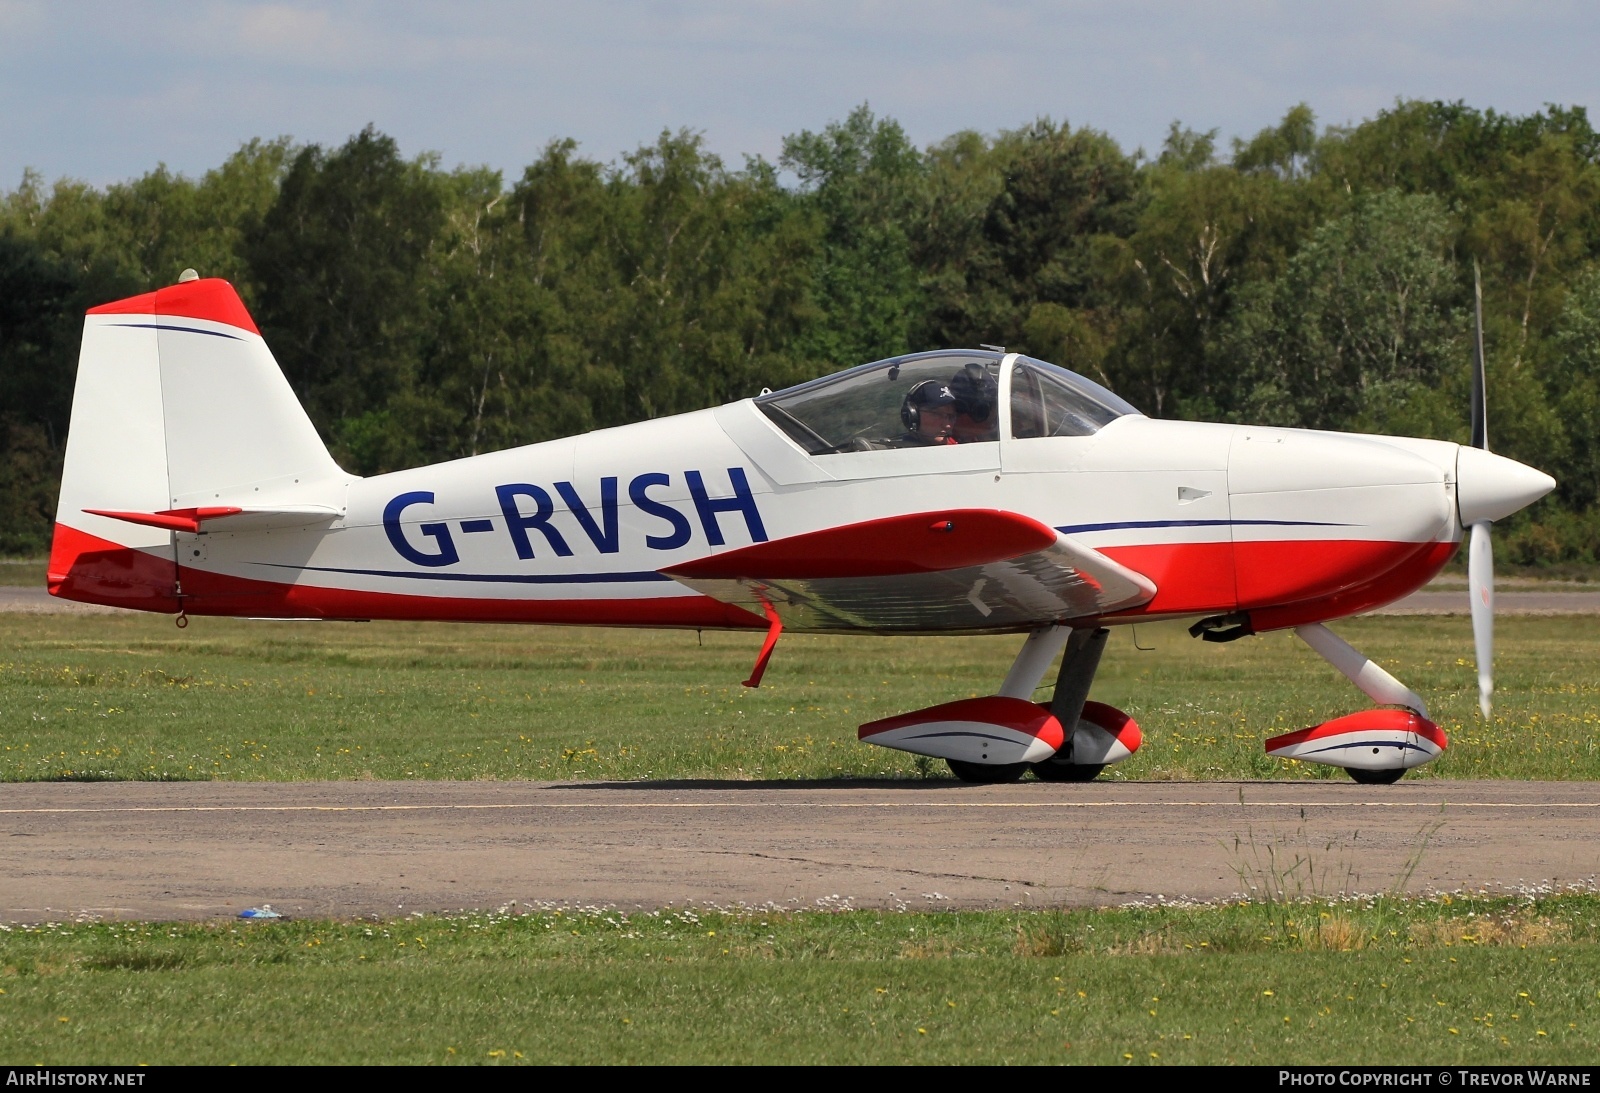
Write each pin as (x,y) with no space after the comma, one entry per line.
(93,570)
(1316,580)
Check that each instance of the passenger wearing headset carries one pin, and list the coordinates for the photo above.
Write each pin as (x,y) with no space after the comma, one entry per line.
(929,415)
(977,394)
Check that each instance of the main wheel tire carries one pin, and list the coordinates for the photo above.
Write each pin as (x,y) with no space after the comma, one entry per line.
(1376,777)
(1051,771)
(987,774)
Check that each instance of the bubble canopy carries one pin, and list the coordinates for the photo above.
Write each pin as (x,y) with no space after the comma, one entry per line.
(901,402)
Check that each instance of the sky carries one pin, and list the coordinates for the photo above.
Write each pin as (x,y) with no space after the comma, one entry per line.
(106,90)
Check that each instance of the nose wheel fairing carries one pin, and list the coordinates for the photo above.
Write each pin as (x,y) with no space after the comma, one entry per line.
(1372,740)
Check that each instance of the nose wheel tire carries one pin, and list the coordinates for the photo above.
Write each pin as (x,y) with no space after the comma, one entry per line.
(988,774)
(1051,771)
(1375,777)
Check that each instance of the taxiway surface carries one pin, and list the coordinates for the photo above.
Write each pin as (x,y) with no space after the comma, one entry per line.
(344,849)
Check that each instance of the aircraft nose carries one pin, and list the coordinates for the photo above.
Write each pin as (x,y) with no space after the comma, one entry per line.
(1291,461)
(1492,487)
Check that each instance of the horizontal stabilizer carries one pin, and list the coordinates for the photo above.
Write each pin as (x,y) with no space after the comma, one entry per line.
(964,569)
(238,519)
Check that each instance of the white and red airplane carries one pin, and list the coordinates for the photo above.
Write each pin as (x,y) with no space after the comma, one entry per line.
(969,491)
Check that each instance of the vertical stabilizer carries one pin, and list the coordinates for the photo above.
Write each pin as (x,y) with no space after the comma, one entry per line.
(179,408)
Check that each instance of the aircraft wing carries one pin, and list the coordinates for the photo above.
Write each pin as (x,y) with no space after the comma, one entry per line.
(965,569)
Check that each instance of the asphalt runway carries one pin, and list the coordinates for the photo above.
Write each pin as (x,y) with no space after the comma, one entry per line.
(197,851)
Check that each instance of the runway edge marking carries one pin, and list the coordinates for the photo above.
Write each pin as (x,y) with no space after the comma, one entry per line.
(575,805)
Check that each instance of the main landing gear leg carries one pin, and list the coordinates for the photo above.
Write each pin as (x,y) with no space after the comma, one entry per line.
(1078,666)
(1034,660)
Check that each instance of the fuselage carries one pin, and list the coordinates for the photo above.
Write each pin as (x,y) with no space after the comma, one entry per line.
(1288,526)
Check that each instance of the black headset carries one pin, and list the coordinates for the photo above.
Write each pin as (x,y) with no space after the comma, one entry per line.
(975,391)
(911,406)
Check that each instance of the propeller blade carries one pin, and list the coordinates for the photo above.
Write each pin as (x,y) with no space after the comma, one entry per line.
(1480,583)
(1480,411)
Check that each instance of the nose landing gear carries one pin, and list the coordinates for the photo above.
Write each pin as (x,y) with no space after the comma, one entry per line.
(1375,746)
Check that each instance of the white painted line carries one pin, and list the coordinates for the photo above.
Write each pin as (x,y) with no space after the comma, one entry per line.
(576,805)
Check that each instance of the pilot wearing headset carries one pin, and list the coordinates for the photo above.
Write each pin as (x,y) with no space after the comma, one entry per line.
(929,415)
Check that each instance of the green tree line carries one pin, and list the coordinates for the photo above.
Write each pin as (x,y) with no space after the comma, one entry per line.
(1303,277)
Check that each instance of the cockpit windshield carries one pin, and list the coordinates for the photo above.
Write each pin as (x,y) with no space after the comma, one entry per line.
(922,400)
(1047,400)
(938,399)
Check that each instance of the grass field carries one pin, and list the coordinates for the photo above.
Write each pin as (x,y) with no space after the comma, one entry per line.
(23,571)
(132,697)
(1448,980)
